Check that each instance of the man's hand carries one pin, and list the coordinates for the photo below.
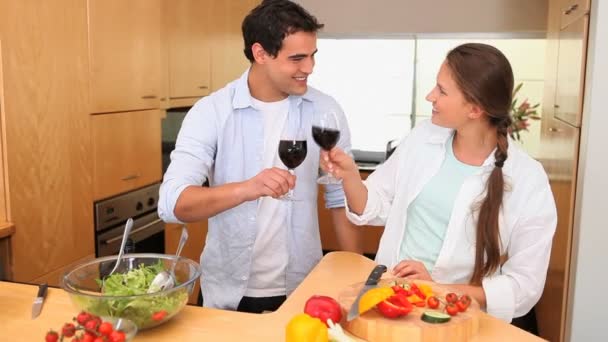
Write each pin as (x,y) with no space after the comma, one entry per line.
(411,269)
(272,182)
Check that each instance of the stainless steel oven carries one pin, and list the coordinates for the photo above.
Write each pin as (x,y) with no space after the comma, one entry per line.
(148,232)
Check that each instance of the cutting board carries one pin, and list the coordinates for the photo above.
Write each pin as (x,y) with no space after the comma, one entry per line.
(372,326)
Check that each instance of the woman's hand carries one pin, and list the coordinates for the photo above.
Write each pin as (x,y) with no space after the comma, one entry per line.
(411,269)
(338,163)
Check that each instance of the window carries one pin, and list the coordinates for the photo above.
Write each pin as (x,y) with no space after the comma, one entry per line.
(372,79)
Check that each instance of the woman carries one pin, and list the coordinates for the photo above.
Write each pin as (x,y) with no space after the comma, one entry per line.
(460,204)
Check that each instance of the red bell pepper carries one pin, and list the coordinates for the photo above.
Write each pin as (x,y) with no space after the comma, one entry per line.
(323,307)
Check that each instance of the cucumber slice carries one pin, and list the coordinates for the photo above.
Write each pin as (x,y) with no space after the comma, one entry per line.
(435,317)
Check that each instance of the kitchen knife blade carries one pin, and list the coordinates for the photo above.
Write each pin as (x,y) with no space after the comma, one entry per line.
(370,283)
(37,306)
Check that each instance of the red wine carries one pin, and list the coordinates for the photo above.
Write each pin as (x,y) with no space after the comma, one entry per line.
(292,152)
(327,138)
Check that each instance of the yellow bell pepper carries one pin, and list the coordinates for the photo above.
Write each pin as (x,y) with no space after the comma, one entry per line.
(304,328)
(426,289)
(373,297)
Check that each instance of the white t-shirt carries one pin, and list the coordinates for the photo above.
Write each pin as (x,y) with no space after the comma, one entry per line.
(269,259)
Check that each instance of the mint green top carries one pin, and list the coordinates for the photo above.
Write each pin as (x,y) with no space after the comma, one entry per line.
(429,214)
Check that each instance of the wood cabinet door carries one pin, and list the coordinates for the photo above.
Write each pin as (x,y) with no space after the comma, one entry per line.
(126,151)
(227,58)
(188,42)
(124,55)
(571,60)
(560,147)
(571,10)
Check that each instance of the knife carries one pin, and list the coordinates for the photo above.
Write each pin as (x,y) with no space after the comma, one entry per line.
(37,306)
(372,281)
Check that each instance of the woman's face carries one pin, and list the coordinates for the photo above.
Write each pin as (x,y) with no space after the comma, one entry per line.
(450,108)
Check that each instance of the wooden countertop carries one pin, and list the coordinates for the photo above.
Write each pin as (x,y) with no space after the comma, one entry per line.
(6,229)
(335,271)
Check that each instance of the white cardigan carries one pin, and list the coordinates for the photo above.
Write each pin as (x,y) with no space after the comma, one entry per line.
(527,220)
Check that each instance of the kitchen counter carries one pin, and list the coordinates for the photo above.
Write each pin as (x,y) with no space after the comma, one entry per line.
(335,271)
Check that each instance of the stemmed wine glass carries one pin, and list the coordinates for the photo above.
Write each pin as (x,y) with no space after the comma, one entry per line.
(292,150)
(326,133)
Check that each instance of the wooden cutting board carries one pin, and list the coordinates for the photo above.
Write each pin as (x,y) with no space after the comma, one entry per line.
(372,326)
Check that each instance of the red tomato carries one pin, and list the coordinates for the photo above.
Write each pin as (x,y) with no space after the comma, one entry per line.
(465,299)
(117,336)
(432,302)
(83,317)
(451,309)
(451,297)
(68,330)
(88,337)
(105,328)
(462,306)
(159,316)
(99,339)
(51,336)
(91,325)
(323,308)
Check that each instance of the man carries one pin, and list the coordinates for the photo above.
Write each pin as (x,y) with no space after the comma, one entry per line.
(258,247)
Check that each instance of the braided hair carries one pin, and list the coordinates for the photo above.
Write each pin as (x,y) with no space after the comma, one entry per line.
(485,77)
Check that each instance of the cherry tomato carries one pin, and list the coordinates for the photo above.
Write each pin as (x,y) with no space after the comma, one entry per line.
(451,297)
(51,336)
(465,299)
(117,336)
(462,306)
(105,328)
(451,309)
(83,317)
(99,339)
(159,316)
(91,325)
(88,337)
(432,302)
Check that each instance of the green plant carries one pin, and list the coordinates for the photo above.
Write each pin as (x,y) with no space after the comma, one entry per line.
(521,114)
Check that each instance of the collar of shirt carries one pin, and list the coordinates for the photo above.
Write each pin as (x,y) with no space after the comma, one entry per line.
(242,95)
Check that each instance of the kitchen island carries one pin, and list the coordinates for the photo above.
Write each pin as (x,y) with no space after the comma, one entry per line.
(335,272)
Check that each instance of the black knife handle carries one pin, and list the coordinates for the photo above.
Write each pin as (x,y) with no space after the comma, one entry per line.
(375,275)
(42,290)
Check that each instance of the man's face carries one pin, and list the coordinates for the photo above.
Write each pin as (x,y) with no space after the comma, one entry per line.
(288,72)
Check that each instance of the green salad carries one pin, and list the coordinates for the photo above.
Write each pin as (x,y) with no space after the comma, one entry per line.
(145,311)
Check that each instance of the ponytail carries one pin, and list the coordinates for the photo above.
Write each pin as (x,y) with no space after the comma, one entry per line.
(487,247)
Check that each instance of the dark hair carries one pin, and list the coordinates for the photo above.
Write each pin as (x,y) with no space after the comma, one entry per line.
(485,77)
(271,21)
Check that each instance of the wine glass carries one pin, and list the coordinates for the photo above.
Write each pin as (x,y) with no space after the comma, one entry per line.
(292,150)
(326,133)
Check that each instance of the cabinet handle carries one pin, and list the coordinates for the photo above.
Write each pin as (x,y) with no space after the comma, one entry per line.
(130,177)
(555,106)
(148,97)
(163,98)
(555,130)
(203,87)
(571,9)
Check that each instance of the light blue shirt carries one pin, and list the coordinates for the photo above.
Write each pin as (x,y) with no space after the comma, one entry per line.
(222,140)
(429,214)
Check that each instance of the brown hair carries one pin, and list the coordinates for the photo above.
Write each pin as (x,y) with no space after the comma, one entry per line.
(485,77)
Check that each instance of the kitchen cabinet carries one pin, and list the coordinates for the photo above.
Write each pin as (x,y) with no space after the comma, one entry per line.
(571,10)
(124,55)
(46,143)
(329,242)
(197,233)
(228,61)
(188,43)
(571,60)
(126,151)
(558,153)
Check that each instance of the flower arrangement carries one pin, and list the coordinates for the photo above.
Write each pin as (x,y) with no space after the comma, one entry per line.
(520,114)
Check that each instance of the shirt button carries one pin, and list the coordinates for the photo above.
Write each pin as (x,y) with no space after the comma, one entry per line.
(249,248)
(243,278)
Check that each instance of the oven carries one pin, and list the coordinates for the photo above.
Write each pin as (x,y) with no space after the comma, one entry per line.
(148,232)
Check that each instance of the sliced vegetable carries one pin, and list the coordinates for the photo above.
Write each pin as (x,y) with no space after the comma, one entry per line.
(373,297)
(435,317)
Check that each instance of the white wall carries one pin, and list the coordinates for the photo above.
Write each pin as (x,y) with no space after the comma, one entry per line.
(589,303)
(428,16)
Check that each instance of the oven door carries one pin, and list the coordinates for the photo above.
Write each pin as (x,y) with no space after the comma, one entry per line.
(147,234)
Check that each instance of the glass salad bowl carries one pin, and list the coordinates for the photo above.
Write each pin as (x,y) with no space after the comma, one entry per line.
(124,293)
